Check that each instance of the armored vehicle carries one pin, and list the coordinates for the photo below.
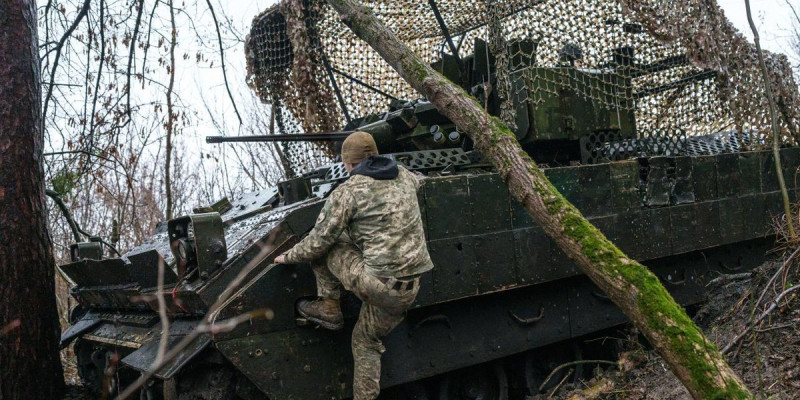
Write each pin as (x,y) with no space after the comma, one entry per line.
(690,202)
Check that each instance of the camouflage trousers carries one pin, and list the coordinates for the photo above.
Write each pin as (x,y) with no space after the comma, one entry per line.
(384,302)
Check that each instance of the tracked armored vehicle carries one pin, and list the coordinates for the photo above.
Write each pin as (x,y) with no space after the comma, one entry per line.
(689,206)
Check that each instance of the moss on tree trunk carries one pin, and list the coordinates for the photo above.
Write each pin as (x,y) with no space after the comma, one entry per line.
(632,287)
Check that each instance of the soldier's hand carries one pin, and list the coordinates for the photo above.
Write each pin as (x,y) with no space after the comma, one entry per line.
(281,259)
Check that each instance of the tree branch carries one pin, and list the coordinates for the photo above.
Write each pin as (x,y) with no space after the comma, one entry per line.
(74,225)
(65,211)
(773,114)
(170,119)
(130,56)
(92,117)
(222,60)
(81,14)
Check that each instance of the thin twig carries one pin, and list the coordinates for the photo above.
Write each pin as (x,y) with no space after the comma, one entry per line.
(627,362)
(727,278)
(784,265)
(774,121)
(207,324)
(52,194)
(794,10)
(222,60)
(772,328)
(162,314)
(60,153)
(92,119)
(147,42)
(772,307)
(81,14)
(130,55)
(569,364)
(561,382)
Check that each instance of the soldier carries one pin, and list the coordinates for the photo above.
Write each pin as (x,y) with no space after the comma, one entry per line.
(369,239)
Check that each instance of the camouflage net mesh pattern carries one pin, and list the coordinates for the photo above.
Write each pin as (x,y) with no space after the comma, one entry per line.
(678,65)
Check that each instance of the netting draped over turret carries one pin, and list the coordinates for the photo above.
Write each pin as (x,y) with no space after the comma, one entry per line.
(678,66)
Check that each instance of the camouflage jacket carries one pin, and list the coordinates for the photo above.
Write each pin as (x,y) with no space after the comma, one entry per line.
(382,218)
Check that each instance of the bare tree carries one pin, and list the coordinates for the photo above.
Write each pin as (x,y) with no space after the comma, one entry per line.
(116,116)
(117,153)
(29,331)
(171,117)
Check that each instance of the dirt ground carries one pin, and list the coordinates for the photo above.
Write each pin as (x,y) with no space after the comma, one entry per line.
(767,359)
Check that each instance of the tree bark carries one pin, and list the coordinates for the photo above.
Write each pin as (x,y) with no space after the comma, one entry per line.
(170,119)
(634,289)
(29,330)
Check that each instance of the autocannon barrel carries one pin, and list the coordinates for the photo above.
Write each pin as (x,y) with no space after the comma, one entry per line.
(303,137)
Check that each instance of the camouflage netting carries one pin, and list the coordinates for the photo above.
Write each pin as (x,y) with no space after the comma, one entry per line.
(688,69)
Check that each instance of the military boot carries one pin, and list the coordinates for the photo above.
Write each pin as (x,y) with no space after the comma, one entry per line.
(325,312)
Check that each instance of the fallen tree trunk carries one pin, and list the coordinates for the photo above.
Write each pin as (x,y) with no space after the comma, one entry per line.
(634,289)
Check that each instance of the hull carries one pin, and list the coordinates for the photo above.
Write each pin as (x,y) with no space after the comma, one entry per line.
(499,286)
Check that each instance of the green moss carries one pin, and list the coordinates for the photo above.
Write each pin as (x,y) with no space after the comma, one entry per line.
(475,102)
(732,391)
(500,128)
(419,71)
(64,181)
(662,313)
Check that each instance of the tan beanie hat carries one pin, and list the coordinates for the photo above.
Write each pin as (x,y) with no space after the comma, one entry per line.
(358,146)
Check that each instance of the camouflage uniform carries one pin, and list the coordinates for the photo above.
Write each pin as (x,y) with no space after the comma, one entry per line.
(370,235)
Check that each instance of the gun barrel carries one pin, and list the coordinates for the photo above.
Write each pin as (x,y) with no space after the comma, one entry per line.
(302,137)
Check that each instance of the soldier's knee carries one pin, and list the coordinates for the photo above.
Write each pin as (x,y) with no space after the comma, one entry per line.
(364,340)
